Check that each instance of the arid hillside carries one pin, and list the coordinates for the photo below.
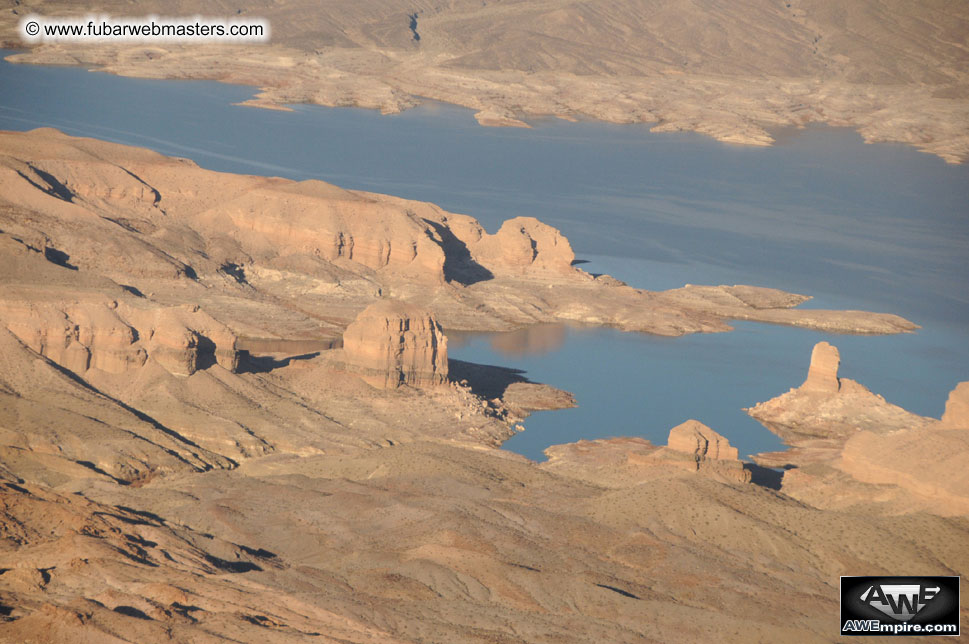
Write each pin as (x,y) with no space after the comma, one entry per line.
(894,70)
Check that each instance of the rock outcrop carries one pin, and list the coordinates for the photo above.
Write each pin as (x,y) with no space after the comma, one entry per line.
(928,466)
(698,440)
(957,407)
(136,459)
(824,410)
(184,339)
(525,246)
(98,333)
(692,447)
(123,221)
(75,335)
(392,343)
(823,372)
(850,447)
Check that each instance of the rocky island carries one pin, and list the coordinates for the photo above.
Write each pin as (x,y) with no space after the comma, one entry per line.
(227,413)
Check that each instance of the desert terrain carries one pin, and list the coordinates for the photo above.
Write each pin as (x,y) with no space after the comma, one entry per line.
(227,413)
(893,70)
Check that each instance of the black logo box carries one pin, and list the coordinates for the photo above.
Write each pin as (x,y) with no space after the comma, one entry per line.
(941,609)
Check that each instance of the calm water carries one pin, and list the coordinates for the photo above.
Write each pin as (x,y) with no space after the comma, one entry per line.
(880,227)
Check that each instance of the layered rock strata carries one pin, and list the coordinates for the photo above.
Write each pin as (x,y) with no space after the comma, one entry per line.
(393,343)
(155,485)
(98,333)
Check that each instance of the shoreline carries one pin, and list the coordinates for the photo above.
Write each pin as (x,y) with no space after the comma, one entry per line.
(747,117)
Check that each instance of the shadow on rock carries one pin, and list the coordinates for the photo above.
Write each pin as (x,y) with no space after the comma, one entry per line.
(459,266)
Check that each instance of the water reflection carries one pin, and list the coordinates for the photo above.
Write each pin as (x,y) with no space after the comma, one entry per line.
(536,340)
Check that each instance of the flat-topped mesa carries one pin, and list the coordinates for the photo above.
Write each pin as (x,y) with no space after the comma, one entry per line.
(316,219)
(957,407)
(392,343)
(823,372)
(524,246)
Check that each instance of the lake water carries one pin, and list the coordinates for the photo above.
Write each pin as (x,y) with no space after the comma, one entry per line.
(878,227)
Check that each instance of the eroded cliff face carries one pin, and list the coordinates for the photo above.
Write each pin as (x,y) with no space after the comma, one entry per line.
(393,344)
(97,333)
(524,246)
(957,407)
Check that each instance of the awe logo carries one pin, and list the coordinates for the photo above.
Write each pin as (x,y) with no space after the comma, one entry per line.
(900,606)
(901,601)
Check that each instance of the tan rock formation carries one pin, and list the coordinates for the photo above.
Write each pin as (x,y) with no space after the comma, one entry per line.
(77,336)
(525,246)
(698,440)
(957,407)
(823,372)
(96,333)
(269,503)
(393,343)
(851,448)
(692,447)
(930,466)
(182,339)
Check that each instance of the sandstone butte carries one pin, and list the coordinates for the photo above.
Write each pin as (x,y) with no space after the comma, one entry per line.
(227,413)
(893,70)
